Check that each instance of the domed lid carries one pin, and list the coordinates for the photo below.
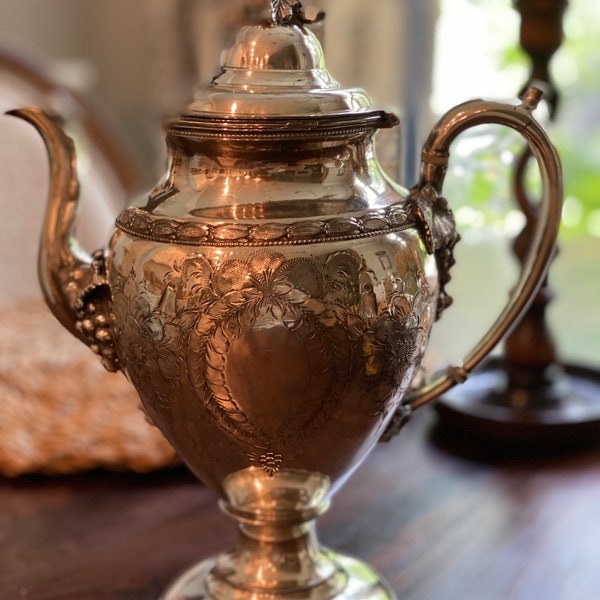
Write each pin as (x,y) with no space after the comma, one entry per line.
(274,82)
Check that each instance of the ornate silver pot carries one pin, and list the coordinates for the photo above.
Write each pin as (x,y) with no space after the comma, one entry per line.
(272,297)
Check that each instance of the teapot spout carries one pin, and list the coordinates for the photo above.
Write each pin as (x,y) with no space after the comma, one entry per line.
(74,284)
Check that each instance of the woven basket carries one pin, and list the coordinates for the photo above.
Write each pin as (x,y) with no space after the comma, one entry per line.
(60,411)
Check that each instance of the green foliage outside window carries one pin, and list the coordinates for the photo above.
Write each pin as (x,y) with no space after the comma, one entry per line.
(484,160)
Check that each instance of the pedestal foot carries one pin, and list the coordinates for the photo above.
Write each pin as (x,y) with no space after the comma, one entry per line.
(361,583)
(278,556)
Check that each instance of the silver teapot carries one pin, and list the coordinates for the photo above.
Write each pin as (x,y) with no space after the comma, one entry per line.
(272,297)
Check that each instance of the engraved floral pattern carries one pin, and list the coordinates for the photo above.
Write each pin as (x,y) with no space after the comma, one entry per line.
(322,311)
(267,290)
(152,338)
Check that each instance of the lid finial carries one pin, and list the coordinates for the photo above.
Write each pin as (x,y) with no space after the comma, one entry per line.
(282,10)
(290,11)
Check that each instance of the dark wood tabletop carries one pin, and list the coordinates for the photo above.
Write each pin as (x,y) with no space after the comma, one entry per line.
(438,525)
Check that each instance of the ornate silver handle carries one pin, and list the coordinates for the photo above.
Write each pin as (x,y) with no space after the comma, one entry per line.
(434,164)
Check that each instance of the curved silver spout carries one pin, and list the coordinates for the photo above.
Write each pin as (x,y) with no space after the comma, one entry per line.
(73,283)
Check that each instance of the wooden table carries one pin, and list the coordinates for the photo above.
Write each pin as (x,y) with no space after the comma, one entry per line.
(437,525)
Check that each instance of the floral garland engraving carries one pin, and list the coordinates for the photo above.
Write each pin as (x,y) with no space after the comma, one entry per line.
(323,307)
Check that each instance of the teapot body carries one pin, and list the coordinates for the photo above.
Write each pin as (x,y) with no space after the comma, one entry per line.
(271,305)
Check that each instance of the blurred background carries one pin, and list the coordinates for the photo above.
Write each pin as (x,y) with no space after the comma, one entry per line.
(137,61)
